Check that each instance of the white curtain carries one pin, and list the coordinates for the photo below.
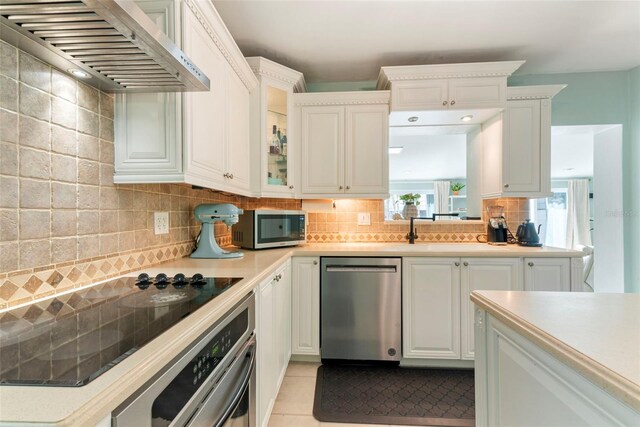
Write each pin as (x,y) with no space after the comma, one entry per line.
(441,196)
(555,228)
(578,226)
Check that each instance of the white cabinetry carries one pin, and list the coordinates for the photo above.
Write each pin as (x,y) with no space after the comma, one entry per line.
(447,86)
(305,306)
(512,373)
(547,274)
(198,138)
(503,274)
(517,145)
(344,144)
(274,338)
(272,109)
(431,308)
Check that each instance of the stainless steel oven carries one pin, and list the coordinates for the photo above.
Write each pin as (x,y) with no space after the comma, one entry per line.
(212,383)
(265,228)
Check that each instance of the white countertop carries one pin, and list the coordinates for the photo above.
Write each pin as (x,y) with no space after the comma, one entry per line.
(87,405)
(597,335)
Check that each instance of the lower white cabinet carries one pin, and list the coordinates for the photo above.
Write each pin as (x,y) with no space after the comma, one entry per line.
(305,306)
(547,274)
(431,308)
(501,274)
(274,339)
(520,384)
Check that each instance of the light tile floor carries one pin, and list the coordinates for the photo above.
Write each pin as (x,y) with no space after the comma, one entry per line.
(294,404)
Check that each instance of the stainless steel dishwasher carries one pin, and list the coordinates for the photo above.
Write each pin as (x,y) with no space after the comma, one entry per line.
(360,309)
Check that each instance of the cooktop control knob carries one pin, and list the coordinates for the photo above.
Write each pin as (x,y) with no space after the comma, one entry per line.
(143,277)
(162,281)
(179,280)
(197,280)
(143,281)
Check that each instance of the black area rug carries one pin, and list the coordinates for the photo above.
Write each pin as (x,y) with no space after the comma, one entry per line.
(394,395)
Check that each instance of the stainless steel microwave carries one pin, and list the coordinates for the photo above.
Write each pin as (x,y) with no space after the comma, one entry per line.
(266,228)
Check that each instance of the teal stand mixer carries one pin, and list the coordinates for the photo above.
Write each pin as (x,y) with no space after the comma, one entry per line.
(208,214)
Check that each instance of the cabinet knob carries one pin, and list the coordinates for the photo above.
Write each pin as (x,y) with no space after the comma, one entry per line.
(315,262)
(531,264)
(457,264)
(291,187)
(231,175)
(348,188)
(340,187)
(226,175)
(466,264)
(453,102)
(506,186)
(444,103)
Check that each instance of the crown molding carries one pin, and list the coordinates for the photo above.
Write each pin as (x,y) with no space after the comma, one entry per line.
(533,92)
(343,98)
(389,75)
(219,34)
(264,67)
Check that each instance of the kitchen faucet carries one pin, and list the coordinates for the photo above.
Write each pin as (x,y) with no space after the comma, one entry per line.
(413,232)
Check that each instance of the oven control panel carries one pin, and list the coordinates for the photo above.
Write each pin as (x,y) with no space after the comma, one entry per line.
(176,395)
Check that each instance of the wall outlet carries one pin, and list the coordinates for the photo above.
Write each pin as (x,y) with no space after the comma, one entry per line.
(364,218)
(161,222)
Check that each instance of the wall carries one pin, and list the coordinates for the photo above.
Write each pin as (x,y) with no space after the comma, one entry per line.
(63,223)
(633,240)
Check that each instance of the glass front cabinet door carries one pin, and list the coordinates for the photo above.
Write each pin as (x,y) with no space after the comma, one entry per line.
(272,132)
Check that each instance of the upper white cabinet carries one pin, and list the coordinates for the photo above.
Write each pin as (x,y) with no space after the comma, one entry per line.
(344,144)
(272,145)
(447,86)
(516,145)
(198,138)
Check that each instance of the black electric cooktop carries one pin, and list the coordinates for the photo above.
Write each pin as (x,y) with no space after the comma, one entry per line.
(71,339)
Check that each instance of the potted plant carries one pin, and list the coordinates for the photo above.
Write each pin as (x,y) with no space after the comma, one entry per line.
(456,187)
(411,201)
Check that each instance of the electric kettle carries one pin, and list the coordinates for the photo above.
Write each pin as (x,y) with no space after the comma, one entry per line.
(527,234)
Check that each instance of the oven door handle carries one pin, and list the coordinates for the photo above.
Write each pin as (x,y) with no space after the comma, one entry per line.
(228,392)
(249,352)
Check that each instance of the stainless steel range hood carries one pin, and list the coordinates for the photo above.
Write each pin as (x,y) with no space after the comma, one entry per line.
(113,41)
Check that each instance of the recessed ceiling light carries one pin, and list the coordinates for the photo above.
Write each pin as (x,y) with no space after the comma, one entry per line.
(407,172)
(79,73)
(395,150)
(413,119)
(466,118)
(569,169)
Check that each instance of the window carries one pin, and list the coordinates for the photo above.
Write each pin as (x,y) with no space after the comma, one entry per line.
(551,213)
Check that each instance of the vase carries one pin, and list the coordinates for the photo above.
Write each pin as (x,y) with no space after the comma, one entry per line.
(455,193)
(409,210)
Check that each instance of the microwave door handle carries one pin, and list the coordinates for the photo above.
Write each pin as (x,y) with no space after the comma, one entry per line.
(242,388)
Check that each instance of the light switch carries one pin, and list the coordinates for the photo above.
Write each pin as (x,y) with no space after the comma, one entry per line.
(364,218)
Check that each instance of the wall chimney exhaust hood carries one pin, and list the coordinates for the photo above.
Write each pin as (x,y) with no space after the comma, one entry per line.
(113,41)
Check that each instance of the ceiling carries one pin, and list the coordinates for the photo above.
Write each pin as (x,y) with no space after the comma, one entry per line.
(339,41)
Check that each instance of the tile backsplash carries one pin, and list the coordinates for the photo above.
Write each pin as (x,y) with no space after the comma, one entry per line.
(340,224)
(63,222)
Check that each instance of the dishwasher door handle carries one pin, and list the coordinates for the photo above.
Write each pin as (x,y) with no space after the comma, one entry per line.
(362,269)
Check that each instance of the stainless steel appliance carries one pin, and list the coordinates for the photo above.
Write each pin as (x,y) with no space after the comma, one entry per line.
(72,339)
(497,231)
(360,309)
(212,383)
(266,228)
(111,44)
